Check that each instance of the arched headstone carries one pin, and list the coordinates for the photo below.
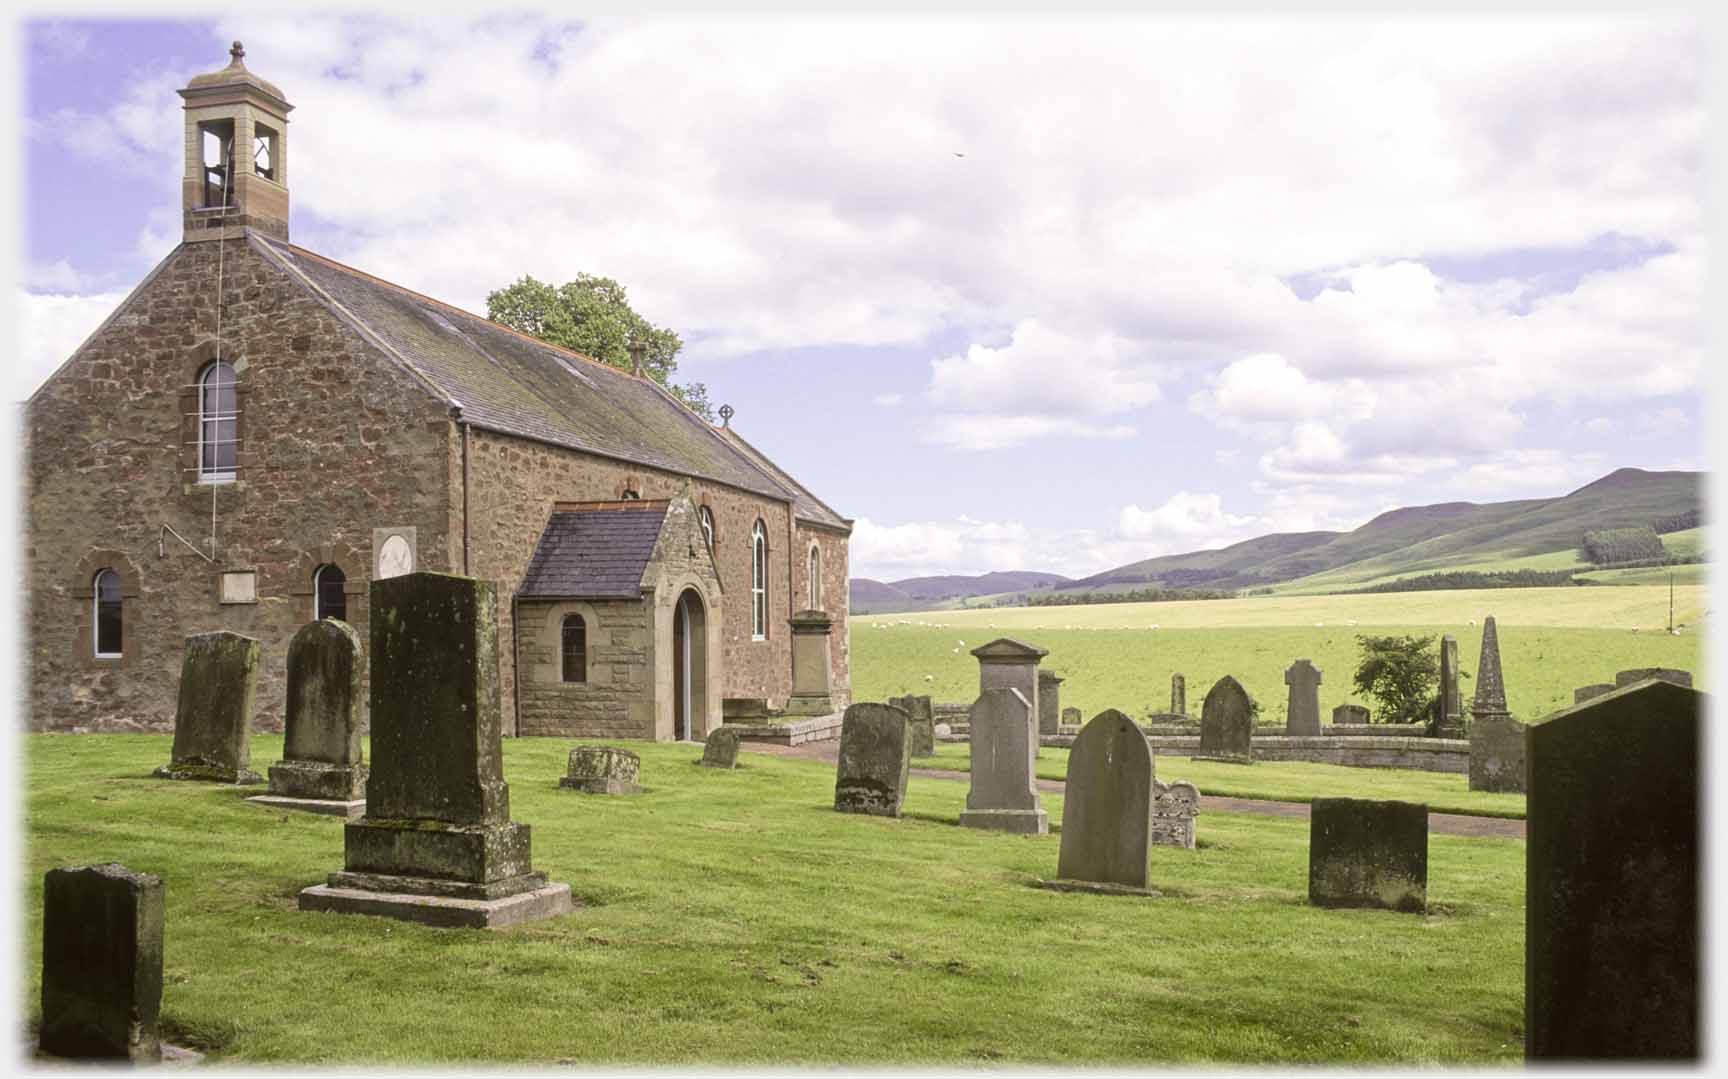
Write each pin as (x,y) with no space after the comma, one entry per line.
(1107,807)
(1227,722)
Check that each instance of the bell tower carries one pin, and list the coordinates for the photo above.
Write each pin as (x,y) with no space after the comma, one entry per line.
(236,154)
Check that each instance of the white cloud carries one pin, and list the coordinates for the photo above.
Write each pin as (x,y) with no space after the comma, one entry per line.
(914,549)
(886,400)
(1538,471)
(964,432)
(1267,387)
(1182,515)
(52,327)
(1055,373)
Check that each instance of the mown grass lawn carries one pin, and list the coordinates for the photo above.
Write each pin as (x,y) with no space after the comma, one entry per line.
(1286,781)
(734,918)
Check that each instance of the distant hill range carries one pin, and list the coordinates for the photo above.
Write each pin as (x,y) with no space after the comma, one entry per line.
(1400,542)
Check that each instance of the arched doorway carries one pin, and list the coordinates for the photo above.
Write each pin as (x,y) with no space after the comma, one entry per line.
(689,667)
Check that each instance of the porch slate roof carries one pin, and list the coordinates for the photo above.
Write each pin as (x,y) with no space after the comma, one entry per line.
(594,550)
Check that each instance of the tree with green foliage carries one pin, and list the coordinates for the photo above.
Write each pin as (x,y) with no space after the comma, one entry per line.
(1400,674)
(592,315)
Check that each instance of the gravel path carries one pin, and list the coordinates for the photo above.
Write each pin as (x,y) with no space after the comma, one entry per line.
(1442,823)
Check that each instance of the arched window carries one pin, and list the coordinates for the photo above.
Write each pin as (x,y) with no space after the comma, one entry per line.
(631,493)
(815,578)
(218,424)
(329,600)
(107,622)
(759,582)
(705,518)
(575,649)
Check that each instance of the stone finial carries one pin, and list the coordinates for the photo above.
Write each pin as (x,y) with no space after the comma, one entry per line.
(1490,688)
(726,414)
(238,52)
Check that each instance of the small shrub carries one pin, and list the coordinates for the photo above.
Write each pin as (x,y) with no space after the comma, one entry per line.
(1400,674)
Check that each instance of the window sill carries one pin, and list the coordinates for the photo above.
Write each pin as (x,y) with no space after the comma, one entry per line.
(110,656)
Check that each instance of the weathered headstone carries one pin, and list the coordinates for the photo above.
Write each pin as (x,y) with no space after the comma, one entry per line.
(1666,674)
(1595,689)
(1174,807)
(1071,717)
(720,749)
(602,770)
(322,769)
(1364,853)
(1178,695)
(921,715)
(1451,699)
(1349,715)
(1049,703)
(874,760)
(1498,755)
(213,718)
(812,667)
(1005,663)
(1612,918)
(101,963)
(1107,810)
(1227,722)
(437,844)
(1303,678)
(1490,688)
(1003,795)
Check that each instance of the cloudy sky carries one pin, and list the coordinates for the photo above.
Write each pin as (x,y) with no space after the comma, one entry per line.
(1020,294)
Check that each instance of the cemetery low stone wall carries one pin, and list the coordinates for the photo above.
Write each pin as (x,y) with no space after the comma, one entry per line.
(1418,754)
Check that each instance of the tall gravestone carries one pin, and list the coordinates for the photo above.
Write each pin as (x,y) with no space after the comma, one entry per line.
(1227,723)
(1049,703)
(1665,674)
(1498,755)
(213,716)
(874,760)
(1178,695)
(921,719)
(1490,688)
(1107,808)
(102,964)
(1364,853)
(1004,794)
(1005,663)
(1303,678)
(1612,921)
(812,666)
(322,769)
(437,844)
(1451,700)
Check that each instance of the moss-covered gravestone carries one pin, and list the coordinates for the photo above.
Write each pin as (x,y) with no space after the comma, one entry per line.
(720,749)
(1049,702)
(1451,699)
(437,844)
(213,717)
(1227,723)
(1350,715)
(101,964)
(322,769)
(1004,737)
(1178,695)
(602,770)
(1174,809)
(1611,916)
(1107,810)
(1364,853)
(874,760)
(921,715)
(1303,717)
(1497,755)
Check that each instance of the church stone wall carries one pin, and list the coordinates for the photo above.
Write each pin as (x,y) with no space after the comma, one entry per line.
(335,441)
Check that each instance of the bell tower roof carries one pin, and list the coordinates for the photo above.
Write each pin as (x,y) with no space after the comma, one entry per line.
(234,75)
(236,154)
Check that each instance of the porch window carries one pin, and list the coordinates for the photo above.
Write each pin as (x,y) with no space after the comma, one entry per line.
(575,649)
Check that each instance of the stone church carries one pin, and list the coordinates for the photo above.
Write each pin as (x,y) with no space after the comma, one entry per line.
(258,432)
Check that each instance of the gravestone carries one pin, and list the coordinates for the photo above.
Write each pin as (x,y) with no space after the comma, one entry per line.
(213,716)
(1107,808)
(720,749)
(1174,807)
(812,666)
(1451,699)
(1490,688)
(1303,678)
(602,770)
(1364,853)
(1227,723)
(1595,689)
(1005,663)
(322,769)
(921,713)
(1349,715)
(1612,917)
(101,963)
(1666,674)
(437,844)
(1049,703)
(874,760)
(1003,795)
(1497,755)
(1071,717)
(1178,695)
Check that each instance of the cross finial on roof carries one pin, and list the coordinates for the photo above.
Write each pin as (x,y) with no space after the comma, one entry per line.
(726,414)
(238,52)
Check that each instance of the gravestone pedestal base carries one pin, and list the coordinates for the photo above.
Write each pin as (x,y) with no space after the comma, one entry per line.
(600,785)
(449,911)
(327,806)
(207,773)
(319,780)
(1017,821)
(809,704)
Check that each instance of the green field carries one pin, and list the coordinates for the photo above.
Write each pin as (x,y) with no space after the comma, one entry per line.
(733,918)
(1552,640)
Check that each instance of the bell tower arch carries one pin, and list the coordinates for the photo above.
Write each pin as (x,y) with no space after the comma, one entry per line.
(236,154)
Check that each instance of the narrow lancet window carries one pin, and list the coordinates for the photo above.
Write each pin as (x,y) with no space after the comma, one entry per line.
(330,600)
(575,649)
(108,614)
(218,424)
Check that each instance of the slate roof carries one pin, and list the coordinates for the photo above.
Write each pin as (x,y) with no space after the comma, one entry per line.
(805,505)
(594,550)
(513,383)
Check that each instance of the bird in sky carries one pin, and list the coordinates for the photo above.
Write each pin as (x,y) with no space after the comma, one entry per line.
(957,153)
